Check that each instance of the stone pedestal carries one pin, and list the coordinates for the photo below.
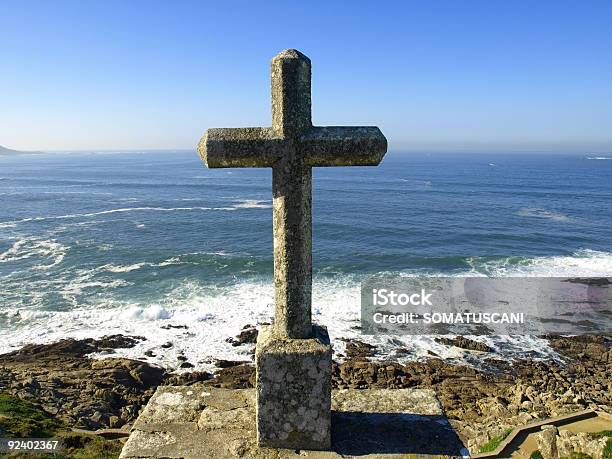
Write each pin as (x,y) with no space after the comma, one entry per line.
(293,390)
(203,422)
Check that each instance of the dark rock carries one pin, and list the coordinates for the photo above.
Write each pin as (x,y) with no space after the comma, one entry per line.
(76,389)
(359,350)
(248,335)
(236,377)
(187,379)
(596,281)
(186,365)
(464,343)
(221,363)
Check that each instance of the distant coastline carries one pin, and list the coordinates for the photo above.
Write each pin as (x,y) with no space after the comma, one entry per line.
(9,152)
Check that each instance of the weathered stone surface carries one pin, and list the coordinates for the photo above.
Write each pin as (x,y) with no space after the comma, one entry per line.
(224,426)
(422,401)
(292,146)
(293,390)
(570,444)
(547,442)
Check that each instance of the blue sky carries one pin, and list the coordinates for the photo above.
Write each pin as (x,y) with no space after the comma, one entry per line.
(434,75)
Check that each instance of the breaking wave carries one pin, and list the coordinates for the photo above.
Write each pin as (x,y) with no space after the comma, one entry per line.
(197,316)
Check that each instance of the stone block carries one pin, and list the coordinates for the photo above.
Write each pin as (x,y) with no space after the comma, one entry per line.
(293,390)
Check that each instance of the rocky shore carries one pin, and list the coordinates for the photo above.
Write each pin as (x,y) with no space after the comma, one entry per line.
(82,392)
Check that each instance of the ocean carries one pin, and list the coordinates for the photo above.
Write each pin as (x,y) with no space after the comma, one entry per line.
(154,244)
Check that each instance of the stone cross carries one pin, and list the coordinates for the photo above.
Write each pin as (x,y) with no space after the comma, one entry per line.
(291,147)
(293,357)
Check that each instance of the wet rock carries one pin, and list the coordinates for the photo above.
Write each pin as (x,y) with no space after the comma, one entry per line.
(356,349)
(222,363)
(248,335)
(464,343)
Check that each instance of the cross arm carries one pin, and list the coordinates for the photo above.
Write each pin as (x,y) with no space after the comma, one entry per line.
(344,146)
(240,147)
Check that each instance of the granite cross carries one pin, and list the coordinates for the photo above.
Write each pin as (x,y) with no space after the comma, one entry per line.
(291,147)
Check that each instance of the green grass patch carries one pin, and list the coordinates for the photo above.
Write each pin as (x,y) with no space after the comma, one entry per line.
(22,419)
(80,446)
(607,451)
(494,442)
(19,418)
(536,455)
(580,456)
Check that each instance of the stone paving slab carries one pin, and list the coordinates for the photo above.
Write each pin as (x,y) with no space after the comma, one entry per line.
(197,421)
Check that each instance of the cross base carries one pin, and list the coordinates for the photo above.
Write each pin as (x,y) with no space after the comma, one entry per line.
(202,422)
(293,387)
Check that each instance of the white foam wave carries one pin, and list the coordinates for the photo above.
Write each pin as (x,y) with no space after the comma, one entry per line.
(48,251)
(198,318)
(599,158)
(416,182)
(78,192)
(585,263)
(122,269)
(113,211)
(537,212)
(252,204)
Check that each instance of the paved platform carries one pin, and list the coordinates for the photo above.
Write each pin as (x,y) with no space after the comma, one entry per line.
(203,422)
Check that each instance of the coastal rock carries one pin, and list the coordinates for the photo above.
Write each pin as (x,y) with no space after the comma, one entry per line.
(480,403)
(222,363)
(547,442)
(464,343)
(187,379)
(235,377)
(76,389)
(570,444)
(248,335)
(356,349)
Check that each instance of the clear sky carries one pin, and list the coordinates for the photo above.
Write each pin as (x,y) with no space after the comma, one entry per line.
(434,75)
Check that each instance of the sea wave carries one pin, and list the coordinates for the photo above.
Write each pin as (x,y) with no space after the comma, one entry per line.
(599,158)
(199,315)
(252,204)
(537,212)
(586,263)
(48,252)
(112,211)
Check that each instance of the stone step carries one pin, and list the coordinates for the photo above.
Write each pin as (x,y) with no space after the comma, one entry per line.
(202,422)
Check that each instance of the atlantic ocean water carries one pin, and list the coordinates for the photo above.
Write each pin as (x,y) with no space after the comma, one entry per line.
(154,244)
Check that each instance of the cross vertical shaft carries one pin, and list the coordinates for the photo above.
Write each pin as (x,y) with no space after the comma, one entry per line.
(292,196)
